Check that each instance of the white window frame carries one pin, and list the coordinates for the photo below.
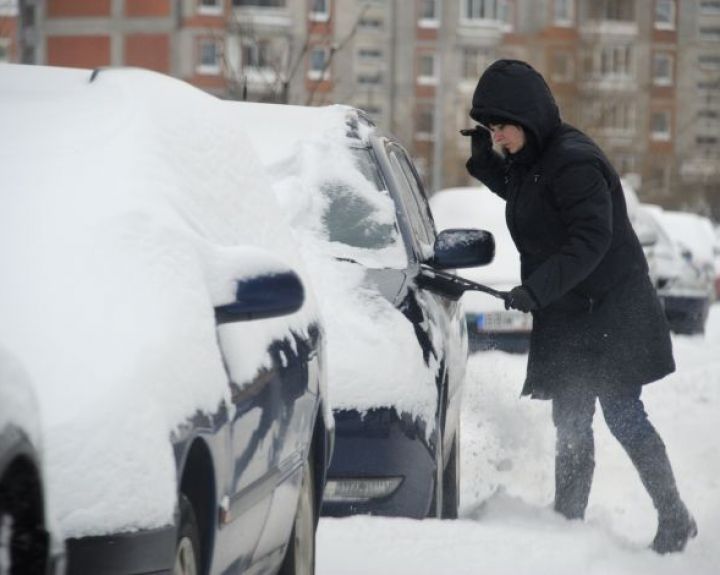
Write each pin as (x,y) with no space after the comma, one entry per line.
(568,20)
(429,21)
(661,135)
(215,9)
(322,15)
(313,73)
(669,78)
(424,79)
(484,11)
(671,5)
(709,8)
(204,68)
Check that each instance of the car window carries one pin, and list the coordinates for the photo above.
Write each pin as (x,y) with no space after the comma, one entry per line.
(413,199)
(360,213)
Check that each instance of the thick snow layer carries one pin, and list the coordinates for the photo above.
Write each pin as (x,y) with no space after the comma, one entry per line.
(507,525)
(129,208)
(477,207)
(314,164)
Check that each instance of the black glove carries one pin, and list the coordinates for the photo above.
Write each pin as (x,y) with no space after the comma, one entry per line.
(521,299)
(481,146)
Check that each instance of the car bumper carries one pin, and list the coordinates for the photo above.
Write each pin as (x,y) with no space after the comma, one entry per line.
(389,460)
(686,314)
(140,553)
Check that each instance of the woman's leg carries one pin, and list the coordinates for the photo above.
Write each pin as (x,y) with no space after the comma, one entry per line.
(572,412)
(626,417)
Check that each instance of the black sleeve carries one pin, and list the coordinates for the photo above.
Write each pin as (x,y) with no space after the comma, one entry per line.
(490,170)
(584,203)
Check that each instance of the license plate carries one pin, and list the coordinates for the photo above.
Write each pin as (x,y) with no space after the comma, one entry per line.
(503,321)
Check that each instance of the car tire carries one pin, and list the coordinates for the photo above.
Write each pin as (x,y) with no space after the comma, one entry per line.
(300,555)
(451,481)
(187,549)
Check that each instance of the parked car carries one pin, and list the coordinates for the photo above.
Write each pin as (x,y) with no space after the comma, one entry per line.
(152,290)
(397,342)
(489,324)
(29,543)
(684,288)
(716,252)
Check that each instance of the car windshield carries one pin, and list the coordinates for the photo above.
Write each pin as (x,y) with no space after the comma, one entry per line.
(360,213)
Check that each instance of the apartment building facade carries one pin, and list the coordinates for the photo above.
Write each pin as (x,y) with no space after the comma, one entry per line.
(640,76)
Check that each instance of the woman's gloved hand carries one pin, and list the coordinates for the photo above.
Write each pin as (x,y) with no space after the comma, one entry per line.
(481,146)
(521,299)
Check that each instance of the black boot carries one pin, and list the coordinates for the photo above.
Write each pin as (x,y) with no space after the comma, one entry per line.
(674,531)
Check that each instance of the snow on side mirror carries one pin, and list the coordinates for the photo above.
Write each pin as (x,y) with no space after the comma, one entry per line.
(463,248)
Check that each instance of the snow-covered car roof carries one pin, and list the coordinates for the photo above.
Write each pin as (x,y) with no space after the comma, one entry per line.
(130,205)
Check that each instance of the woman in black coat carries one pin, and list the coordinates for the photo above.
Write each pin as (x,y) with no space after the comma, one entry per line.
(599,331)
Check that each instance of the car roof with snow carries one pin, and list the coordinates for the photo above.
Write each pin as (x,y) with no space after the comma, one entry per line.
(131,205)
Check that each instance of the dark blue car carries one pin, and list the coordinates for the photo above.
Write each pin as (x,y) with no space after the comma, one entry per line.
(396,330)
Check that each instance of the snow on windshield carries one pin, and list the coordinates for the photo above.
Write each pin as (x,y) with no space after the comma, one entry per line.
(125,219)
(338,205)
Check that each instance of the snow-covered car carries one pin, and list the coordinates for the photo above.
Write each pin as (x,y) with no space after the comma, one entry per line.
(397,343)
(489,324)
(684,287)
(152,290)
(29,542)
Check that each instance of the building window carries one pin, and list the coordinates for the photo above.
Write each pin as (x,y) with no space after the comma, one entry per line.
(259,3)
(370,23)
(320,10)
(709,61)
(4,49)
(210,7)
(370,78)
(710,7)
(663,69)
(428,13)
(706,140)
(426,70)
(474,62)
(370,53)
(256,54)
(209,57)
(710,34)
(616,61)
(612,10)
(424,122)
(479,9)
(563,67)
(660,126)
(564,12)
(506,14)
(665,14)
(318,68)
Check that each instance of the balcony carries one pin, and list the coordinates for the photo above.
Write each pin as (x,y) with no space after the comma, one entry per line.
(261,18)
(610,28)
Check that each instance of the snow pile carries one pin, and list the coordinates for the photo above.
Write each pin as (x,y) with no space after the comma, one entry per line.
(130,206)
(477,207)
(507,484)
(345,221)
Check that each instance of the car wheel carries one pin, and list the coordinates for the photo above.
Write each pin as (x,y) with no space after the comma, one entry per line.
(187,550)
(300,555)
(451,481)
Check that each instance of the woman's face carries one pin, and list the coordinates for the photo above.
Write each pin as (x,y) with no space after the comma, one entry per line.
(510,136)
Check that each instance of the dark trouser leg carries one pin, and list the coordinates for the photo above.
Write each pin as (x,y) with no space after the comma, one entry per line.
(573,411)
(625,415)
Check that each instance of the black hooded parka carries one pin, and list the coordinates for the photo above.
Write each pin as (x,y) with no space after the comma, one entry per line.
(599,321)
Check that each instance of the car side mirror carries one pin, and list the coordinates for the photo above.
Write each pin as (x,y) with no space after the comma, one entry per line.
(263,296)
(647,236)
(462,248)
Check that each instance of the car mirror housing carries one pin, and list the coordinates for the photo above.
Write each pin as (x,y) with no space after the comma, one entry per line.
(463,248)
(647,236)
(263,296)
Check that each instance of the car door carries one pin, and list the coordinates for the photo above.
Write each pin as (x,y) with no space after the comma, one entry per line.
(444,316)
(261,415)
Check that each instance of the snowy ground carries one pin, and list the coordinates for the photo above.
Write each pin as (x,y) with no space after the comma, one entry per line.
(507,526)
